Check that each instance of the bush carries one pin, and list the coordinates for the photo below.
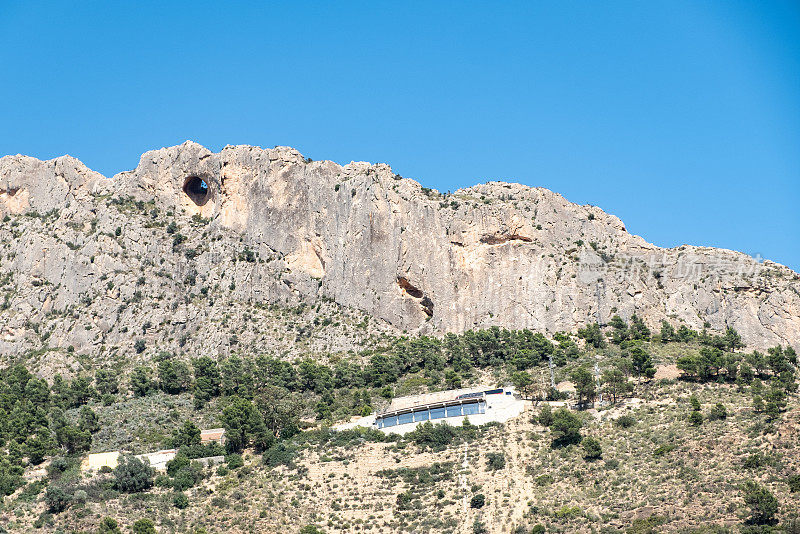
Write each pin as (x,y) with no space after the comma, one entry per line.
(80,496)
(763,504)
(143,526)
(311,529)
(187,476)
(495,461)
(280,454)
(479,527)
(57,467)
(180,500)
(133,475)
(57,500)
(661,450)
(436,437)
(718,412)
(565,427)
(176,464)
(546,415)
(591,449)
(235,461)
(696,418)
(477,501)
(625,421)
(108,525)
(794,483)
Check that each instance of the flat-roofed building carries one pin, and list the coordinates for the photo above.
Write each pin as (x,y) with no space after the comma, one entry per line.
(213,435)
(479,405)
(100,459)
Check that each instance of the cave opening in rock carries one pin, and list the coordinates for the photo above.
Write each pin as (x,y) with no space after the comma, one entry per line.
(11,191)
(197,190)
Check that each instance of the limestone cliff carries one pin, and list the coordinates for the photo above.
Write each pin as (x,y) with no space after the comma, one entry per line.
(266,225)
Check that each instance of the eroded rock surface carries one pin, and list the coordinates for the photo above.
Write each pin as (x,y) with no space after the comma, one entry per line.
(266,225)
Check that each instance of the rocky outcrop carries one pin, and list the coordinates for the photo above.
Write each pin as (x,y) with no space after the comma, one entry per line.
(493,254)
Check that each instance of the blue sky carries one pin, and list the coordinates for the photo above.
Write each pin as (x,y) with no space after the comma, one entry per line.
(682,118)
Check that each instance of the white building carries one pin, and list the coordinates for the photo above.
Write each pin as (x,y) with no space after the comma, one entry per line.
(479,405)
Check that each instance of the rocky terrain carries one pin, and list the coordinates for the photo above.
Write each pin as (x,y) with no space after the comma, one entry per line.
(187,250)
(275,296)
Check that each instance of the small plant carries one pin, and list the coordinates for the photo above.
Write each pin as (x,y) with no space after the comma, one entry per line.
(133,475)
(495,461)
(143,526)
(57,500)
(591,449)
(477,501)
(625,421)
(108,525)
(180,500)
(718,412)
(235,461)
(794,483)
(696,418)
(762,503)
(664,449)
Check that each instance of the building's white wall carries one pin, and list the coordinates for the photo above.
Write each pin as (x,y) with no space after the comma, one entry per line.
(499,408)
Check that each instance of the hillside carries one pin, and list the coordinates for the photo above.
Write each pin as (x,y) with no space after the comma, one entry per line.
(275,296)
(201,238)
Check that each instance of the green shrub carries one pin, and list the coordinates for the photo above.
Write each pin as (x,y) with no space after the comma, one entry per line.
(436,437)
(591,449)
(477,501)
(718,412)
(567,512)
(696,418)
(143,526)
(280,454)
(625,421)
(133,475)
(565,427)
(794,483)
(546,415)
(235,461)
(495,461)
(180,500)
(57,499)
(108,525)
(666,448)
(762,503)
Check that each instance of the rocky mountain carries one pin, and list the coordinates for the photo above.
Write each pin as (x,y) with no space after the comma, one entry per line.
(193,248)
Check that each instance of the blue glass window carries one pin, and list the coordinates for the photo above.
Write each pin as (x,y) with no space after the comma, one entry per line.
(437,413)
(453,411)
(421,416)
(405,418)
(390,421)
(471,409)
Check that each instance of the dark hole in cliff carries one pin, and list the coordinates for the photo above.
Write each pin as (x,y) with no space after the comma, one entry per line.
(406,286)
(197,190)
(427,306)
(11,191)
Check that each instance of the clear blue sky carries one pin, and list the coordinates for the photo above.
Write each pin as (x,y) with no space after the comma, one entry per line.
(682,118)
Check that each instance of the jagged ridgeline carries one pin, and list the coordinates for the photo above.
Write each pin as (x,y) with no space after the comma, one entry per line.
(191,248)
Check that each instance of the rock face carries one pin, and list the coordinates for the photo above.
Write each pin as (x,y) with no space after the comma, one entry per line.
(269,226)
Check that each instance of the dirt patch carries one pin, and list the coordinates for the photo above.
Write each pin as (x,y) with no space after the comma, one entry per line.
(667,372)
